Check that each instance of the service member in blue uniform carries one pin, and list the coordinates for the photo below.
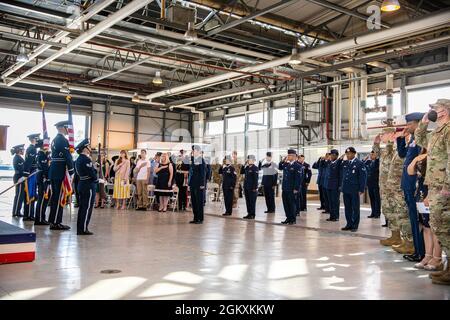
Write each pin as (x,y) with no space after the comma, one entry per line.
(29,167)
(373,184)
(229,178)
(197,183)
(208,175)
(86,186)
(269,181)
(320,166)
(18,179)
(410,150)
(60,162)
(354,177)
(332,183)
(43,184)
(305,182)
(251,172)
(292,175)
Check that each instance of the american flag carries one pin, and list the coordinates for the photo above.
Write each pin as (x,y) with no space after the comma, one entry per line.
(66,190)
(70,127)
(46,144)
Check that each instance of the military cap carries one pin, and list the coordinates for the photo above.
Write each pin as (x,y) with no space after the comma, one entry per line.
(414,116)
(83,144)
(64,123)
(441,102)
(17,148)
(388,130)
(33,136)
(251,157)
(292,151)
(301,155)
(350,149)
(334,151)
(40,143)
(268,154)
(196,147)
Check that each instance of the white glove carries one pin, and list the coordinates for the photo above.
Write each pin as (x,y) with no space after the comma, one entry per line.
(101,181)
(22,179)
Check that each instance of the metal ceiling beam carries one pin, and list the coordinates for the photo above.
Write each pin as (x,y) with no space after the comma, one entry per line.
(335,7)
(277,6)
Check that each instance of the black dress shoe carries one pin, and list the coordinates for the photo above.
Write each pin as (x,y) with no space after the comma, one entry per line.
(332,219)
(413,257)
(319,208)
(198,222)
(41,223)
(346,228)
(28,219)
(292,222)
(56,227)
(273,211)
(285,221)
(226,214)
(76,205)
(325,211)
(353,230)
(384,225)
(376,217)
(267,211)
(249,217)
(84,233)
(193,221)
(371,216)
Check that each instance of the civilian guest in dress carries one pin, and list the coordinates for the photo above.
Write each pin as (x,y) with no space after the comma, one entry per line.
(121,180)
(164,183)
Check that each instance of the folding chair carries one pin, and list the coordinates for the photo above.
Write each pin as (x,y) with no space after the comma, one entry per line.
(173,200)
(132,198)
(151,195)
(212,191)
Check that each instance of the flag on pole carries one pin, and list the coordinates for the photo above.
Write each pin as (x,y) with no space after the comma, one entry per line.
(70,127)
(66,190)
(46,143)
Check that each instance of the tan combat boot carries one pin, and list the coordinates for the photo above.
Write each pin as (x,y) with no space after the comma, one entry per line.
(444,278)
(406,247)
(394,239)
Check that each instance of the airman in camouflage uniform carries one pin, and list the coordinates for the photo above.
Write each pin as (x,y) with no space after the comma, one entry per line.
(237,168)
(438,177)
(385,155)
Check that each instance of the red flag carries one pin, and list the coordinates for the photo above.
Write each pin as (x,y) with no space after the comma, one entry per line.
(66,190)
(70,127)
(44,125)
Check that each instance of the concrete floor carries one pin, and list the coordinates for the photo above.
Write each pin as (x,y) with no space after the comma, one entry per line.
(161,256)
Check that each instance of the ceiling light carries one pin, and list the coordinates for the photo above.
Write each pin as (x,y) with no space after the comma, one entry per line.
(135,98)
(390,5)
(64,88)
(190,34)
(157,79)
(295,57)
(22,56)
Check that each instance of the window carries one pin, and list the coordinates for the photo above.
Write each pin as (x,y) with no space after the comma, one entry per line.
(236,124)
(280,118)
(419,100)
(215,128)
(382,102)
(257,121)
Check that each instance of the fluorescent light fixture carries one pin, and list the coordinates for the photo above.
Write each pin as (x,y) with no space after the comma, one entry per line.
(295,57)
(135,97)
(190,34)
(22,56)
(64,88)
(247,96)
(157,79)
(390,5)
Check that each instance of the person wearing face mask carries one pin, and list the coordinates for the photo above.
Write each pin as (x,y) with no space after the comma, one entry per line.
(269,181)
(438,177)
(86,187)
(250,186)
(229,178)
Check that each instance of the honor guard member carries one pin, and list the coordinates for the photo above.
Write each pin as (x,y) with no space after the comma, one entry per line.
(320,165)
(409,150)
(197,182)
(305,182)
(269,181)
(250,170)
(60,162)
(332,183)
(86,187)
(354,177)
(373,185)
(229,178)
(18,179)
(43,184)
(29,167)
(292,173)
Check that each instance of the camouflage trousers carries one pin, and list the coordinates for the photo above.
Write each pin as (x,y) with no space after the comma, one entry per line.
(236,194)
(387,209)
(397,212)
(440,217)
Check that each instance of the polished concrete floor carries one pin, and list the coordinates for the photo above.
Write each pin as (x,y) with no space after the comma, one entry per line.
(161,256)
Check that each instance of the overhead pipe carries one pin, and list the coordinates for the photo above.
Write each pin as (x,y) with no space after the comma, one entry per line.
(58,36)
(389,90)
(363,106)
(417,26)
(86,36)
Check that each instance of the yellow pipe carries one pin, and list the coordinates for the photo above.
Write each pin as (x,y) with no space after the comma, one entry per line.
(163,9)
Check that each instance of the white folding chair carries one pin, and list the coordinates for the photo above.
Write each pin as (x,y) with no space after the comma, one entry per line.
(151,195)
(132,198)
(173,200)
(212,191)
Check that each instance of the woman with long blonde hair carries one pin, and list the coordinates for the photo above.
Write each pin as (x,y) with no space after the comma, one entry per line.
(164,182)
(121,180)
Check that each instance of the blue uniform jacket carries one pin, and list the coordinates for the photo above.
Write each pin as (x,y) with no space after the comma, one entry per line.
(86,170)
(229,177)
(408,152)
(292,175)
(373,172)
(18,162)
(319,166)
(333,174)
(43,164)
(61,158)
(251,177)
(30,160)
(197,173)
(354,176)
(270,174)
(307,173)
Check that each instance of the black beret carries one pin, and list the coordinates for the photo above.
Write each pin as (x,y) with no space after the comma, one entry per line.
(268,154)
(292,151)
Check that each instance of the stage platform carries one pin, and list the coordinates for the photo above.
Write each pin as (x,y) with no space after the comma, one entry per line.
(16,244)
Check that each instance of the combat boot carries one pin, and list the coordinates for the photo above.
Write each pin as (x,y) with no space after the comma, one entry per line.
(406,247)
(394,239)
(443,279)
